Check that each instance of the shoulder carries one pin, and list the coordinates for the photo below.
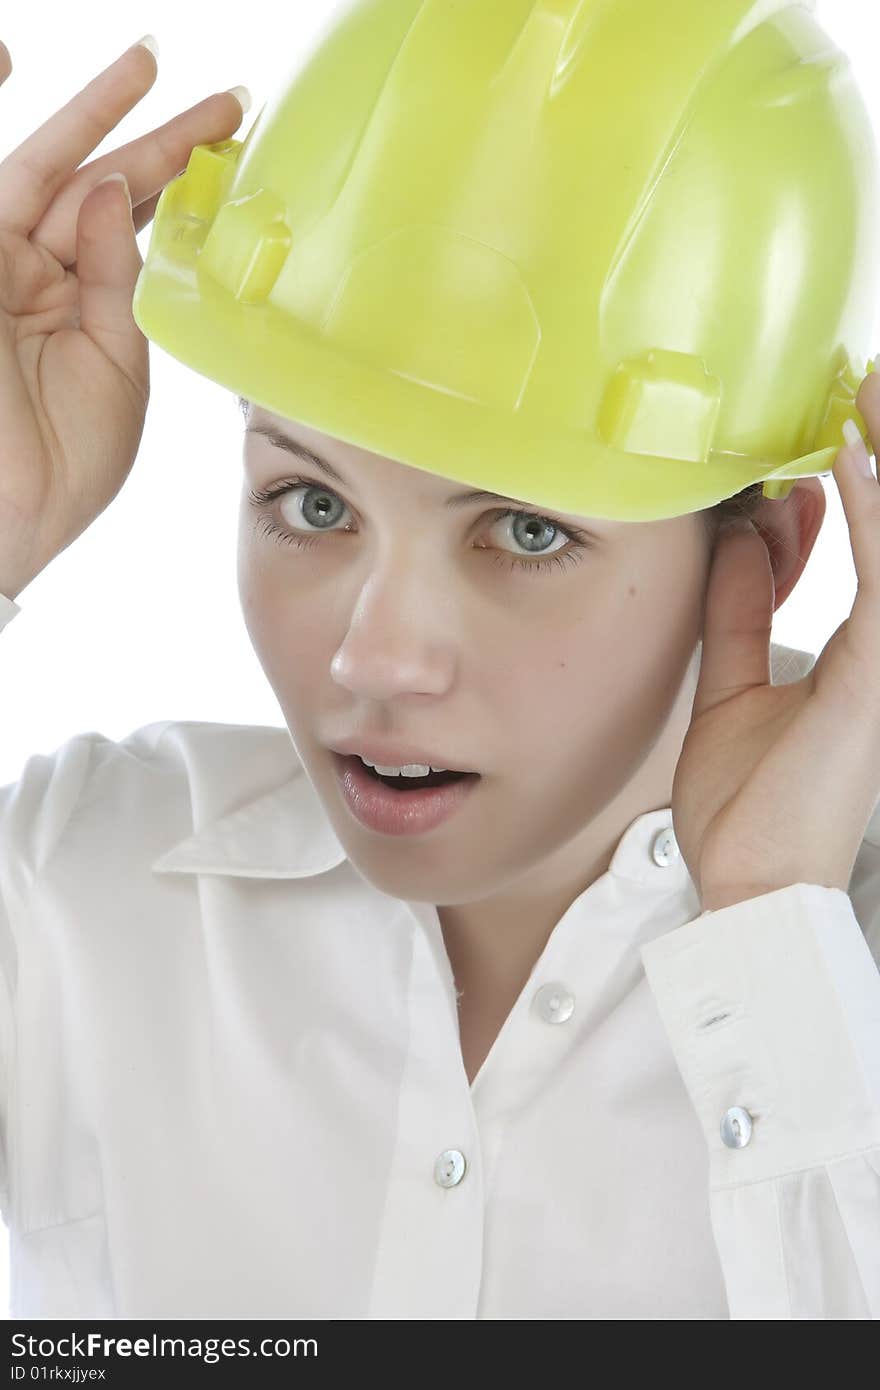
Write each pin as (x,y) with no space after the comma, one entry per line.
(160,774)
(864,885)
(213,759)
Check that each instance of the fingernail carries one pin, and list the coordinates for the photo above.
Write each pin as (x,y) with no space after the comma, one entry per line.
(149,41)
(242,96)
(853,437)
(114,178)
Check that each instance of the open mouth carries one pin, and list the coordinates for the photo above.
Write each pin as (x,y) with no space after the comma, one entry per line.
(396,805)
(399,783)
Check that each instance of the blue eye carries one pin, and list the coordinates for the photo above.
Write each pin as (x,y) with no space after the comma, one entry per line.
(578,541)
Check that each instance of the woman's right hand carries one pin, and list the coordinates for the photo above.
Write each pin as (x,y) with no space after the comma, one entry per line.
(74,366)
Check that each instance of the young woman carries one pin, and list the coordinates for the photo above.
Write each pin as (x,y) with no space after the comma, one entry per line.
(585,1026)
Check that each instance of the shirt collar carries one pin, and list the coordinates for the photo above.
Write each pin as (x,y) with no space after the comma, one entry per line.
(286,833)
(282,833)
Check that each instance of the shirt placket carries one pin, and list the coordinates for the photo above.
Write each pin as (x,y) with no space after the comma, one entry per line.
(430,1246)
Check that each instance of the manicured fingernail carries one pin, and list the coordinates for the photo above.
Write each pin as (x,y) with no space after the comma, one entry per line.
(149,41)
(242,96)
(116,178)
(853,437)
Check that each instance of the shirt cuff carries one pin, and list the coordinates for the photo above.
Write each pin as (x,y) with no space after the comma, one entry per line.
(773,1005)
(9,609)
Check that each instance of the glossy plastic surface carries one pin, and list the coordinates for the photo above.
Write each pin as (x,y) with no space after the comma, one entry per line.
(612,257)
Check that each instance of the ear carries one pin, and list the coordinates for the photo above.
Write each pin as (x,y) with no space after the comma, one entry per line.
(789,528)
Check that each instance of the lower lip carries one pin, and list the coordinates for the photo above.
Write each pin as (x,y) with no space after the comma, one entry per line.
(398,813)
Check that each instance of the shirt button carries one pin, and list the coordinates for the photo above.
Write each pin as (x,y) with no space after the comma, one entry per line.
(736,1127)
(554,1003)
(664,850)
(449,1168)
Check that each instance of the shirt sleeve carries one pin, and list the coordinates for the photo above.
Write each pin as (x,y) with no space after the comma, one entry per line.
(9,609)
(772,1007)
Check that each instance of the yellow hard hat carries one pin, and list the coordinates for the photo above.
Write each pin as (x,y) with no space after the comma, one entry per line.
(614,257)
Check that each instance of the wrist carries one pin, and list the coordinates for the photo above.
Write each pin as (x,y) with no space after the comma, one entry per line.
(727,897)
(713,900)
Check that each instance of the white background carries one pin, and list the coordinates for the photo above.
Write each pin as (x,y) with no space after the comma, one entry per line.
(139,619)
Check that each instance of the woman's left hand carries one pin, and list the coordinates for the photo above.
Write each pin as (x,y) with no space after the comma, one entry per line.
(776,784)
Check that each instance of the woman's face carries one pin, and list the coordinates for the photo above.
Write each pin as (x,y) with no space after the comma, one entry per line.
(547,657)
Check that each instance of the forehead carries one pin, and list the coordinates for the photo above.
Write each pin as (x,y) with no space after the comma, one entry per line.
(348,464)
(351,458)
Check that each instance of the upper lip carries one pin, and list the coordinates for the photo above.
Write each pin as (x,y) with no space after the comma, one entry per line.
(394,754)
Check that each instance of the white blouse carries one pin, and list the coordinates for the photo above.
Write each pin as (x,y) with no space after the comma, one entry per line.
(232,1081)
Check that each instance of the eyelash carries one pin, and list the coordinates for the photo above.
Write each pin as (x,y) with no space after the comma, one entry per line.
(579,541)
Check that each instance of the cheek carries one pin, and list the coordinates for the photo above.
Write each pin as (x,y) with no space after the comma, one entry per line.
(290,632)
(583,705)
(540,689)
(289,636)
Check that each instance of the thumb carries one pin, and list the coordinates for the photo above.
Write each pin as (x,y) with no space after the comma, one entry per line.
(108,262)
(738,617)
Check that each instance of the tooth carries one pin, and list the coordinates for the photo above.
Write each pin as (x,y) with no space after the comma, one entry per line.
(408,769)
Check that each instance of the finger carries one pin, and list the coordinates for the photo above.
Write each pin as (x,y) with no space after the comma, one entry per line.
(141,215)
(738,617)
(5,63)
(860,497)
(108,263)
(148,163)
(32,174)
(868,405)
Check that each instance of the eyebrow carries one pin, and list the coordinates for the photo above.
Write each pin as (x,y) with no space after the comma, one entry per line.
(293,446)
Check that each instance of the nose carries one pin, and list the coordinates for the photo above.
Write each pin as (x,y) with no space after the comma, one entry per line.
(398,641)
